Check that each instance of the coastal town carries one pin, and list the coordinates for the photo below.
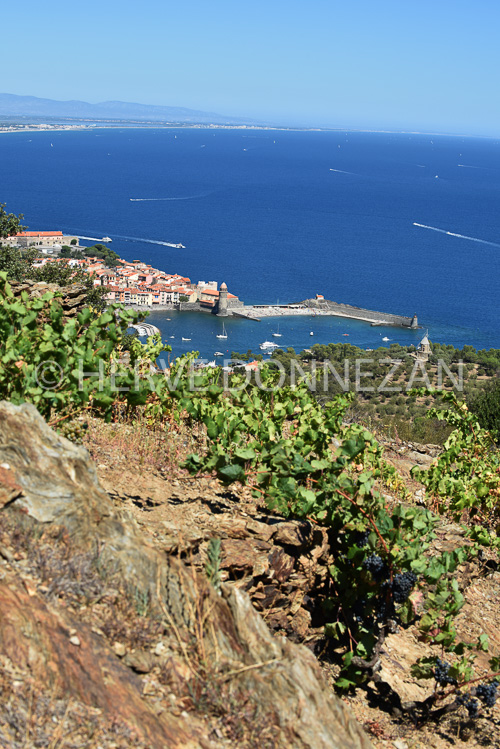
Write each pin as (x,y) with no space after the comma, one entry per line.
(137,284)
(132,283)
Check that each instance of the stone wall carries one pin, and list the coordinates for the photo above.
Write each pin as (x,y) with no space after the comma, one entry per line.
(358,313)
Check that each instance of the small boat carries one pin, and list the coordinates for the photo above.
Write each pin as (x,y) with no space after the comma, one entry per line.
(277,334)
(311,333)
(185,339)
(385,338)
(223,334)
(218,353)
(345,333)
(106,239)
(168,318)
(268,346)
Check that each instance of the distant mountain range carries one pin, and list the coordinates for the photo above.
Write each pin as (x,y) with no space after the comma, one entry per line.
(12,105)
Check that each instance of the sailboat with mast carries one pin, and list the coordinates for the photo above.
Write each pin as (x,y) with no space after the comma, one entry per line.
(223,334)
(277,334)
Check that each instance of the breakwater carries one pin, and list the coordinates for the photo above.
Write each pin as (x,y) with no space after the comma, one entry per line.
(309,307)
(320,307)
(358,313)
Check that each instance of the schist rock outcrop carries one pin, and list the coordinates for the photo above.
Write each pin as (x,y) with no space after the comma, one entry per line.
(61,666)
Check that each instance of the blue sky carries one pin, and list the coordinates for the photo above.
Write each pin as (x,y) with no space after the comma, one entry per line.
(363,64)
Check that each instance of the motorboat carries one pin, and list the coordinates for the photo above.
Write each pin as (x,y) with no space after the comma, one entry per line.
(185,339)
(268,346)
(218,353)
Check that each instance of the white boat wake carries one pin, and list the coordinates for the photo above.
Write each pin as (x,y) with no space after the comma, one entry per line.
(149,241)
(342,172)
(453,234)
(187,197)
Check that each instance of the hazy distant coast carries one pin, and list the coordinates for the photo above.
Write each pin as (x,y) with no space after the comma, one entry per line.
(32,114)
(130,125)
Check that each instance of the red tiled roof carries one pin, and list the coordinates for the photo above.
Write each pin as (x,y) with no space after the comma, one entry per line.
(39,234)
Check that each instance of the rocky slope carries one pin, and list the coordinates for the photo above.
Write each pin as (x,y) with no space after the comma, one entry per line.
(108,638)
(283,567)
(71,297)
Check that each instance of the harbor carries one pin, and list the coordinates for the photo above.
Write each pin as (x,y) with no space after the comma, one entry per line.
(138,284)
(326,308)
(297,331)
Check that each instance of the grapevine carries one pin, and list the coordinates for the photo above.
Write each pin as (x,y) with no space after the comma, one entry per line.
(465,478)
(303,461)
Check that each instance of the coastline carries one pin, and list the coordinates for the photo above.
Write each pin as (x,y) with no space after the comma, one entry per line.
(33,128)
(256,313)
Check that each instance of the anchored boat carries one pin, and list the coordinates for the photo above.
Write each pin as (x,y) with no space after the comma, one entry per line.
(223,334)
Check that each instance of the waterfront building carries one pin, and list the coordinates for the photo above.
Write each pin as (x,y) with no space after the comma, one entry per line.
(191,294)
(163,295)
(210,299)
(141,298)
(46,239)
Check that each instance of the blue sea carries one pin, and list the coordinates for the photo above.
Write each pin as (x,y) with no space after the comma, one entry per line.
(402,223)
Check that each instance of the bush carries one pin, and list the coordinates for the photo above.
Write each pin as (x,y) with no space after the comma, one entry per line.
(485,404)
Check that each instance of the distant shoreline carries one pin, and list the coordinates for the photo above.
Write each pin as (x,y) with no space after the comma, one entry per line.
(34,128)
(157,126)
